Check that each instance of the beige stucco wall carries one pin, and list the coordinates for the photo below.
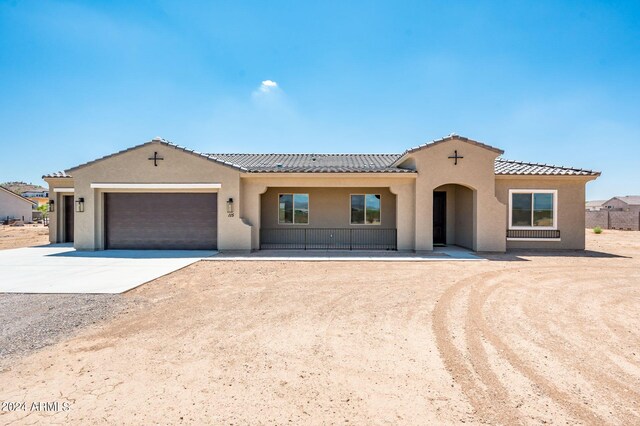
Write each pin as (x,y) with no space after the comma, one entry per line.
(571,198)
(464,222)
(14,207)
(177,167)
(56,218)
(402,186)
(475,171)
(328,207)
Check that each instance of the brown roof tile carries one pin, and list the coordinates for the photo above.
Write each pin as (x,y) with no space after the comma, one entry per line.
(348,163)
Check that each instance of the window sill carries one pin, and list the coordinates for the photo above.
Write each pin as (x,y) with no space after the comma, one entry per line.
(532,228)
(533,239)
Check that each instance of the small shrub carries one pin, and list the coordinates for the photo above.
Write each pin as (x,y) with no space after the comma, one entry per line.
(597,230)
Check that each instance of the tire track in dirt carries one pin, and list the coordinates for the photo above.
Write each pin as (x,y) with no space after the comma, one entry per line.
(481,395)
(472,369)
(572,310)
(591,366)
(574,408)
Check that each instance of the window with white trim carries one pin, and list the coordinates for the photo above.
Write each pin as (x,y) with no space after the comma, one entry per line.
(365,209)
(533,209)
(293,209)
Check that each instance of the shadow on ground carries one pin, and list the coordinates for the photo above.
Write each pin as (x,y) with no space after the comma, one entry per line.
(516,255)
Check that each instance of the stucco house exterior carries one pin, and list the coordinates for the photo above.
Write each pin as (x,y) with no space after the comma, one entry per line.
(594,205)
(627,203)
(39,197)
(14,206)
(452,190)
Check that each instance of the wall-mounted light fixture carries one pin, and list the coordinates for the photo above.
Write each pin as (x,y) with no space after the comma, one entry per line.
(230,206)
(52,206)
(80,205)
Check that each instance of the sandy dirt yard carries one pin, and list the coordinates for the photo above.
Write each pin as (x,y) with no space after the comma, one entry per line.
(23,236)
(524,338)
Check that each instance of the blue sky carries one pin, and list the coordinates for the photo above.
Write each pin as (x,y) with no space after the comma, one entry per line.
(547,81)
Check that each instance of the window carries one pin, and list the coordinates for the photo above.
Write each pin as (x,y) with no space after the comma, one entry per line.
(365,209)
(533,209)
(293,209)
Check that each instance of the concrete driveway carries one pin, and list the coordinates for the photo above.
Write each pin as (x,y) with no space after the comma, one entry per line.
(59,268)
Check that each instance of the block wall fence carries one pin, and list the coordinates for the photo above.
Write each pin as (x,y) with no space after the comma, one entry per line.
(605,219)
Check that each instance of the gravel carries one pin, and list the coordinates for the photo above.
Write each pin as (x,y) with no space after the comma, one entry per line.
(29,322)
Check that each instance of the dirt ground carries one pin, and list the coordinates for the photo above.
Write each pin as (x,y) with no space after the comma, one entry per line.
(23,236)
(524,338)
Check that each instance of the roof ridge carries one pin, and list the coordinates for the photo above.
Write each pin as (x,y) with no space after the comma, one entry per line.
(304,153)
(17,195)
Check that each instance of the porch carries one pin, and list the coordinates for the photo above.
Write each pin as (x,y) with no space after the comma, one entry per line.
(325,218)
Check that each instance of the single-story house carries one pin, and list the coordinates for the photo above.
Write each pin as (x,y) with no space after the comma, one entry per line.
(39,197)
(15,206)
(449,191)
(627,203)
(594,205)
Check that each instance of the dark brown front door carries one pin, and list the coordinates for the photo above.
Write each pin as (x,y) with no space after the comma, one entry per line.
(439,218)
(187,221)
(68,219)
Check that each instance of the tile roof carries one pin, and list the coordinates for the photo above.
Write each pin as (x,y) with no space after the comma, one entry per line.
(61,174)
(344,163)
(595,203)
(509,167)
(632,200)
(313,163)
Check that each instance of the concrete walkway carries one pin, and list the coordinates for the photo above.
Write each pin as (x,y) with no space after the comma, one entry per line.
(448,253)
(58,268)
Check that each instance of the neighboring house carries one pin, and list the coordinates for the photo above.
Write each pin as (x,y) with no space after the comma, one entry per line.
(594,206)
(629,203)
(14,206)
(450,191)
(616,213)
(40,197)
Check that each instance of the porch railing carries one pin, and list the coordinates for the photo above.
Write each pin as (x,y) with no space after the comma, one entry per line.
(533,233)
(328,239)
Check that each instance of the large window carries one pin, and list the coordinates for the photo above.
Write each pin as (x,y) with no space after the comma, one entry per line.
(532,209)
(293,209)
(365,209)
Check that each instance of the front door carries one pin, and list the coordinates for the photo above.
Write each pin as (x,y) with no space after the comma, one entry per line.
(439,218)
(68,218)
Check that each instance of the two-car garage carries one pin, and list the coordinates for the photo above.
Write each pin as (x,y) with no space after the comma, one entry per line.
(172,221)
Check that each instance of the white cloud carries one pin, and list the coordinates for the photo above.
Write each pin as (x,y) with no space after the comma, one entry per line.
(268,86)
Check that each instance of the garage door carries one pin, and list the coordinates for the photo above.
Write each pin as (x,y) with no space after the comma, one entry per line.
(161,221)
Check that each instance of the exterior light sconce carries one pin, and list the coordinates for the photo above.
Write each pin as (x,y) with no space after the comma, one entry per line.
(80,205)
(51,206)
(230,207)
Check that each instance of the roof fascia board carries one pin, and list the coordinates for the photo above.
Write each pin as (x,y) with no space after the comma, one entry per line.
(162,142)
(524,177)
(17,195)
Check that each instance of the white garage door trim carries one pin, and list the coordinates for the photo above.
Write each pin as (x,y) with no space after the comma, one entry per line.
(156,186)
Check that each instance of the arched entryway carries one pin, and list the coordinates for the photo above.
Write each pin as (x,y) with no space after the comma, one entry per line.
(454,216)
